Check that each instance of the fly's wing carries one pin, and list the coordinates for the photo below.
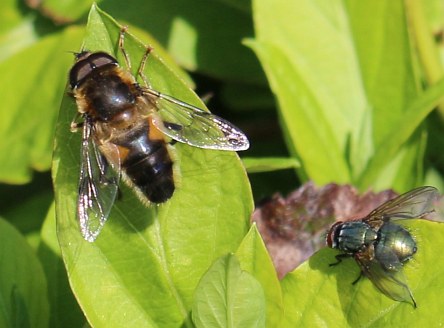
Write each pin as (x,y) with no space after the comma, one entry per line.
(413,204)
(193,126)
(385,272)
(98,187)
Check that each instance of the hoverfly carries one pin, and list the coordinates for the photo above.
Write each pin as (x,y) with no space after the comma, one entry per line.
(125,126)
(381,247)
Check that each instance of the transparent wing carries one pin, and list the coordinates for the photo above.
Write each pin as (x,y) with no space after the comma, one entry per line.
(385,272)
(98,186)
(193,126)
(413,204)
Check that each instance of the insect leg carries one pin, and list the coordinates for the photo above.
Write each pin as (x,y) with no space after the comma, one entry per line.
(339,259)
(127,59)
(122,47)
(142,65)
(357,279)
(76,123)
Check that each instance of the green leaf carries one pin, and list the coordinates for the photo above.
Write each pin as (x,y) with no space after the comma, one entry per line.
(403,129)
(343,78)
(65,311)
(254,258)
(33,79)
(306,129)
(143,268)
(228,297)
(322,103)
(267,164)
(23,293)
(316,292)
(383,47)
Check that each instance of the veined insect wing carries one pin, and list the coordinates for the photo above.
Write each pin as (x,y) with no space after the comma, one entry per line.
(98,187)
(194,126)
(386,272)
(413,204)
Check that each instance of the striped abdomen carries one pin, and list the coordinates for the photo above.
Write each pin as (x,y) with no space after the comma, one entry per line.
(147,163)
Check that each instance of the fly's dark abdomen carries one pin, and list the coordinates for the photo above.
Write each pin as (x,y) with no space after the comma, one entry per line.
(398,240)
(148,165)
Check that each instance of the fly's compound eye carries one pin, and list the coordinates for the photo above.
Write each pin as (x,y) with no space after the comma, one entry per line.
(86,63)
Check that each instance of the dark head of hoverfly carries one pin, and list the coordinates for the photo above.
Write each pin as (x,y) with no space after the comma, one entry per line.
(103,89)
(86,64)
(380,246)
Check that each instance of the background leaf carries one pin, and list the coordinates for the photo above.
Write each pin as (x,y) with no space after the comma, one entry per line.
(65,311)
(155,251)
(32,65)
(254,258)
(344,79)
(23,291)
(228,297)
(266,164)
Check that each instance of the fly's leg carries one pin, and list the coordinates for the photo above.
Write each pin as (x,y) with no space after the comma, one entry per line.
(122,46)
(148,50)
(77,122)
(127,60)
(339,259)
(359,278)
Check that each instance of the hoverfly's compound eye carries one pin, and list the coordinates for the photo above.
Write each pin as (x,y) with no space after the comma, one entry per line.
(86,62)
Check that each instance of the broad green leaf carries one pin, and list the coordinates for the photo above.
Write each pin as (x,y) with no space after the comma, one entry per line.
(403,129)
(316,293)
(343,76)
(267,164)
(33,80)
(327,159)
(381,41)
(65,311)
(23,290)
(143,268)
(228,297)
(322,102)
(254,258)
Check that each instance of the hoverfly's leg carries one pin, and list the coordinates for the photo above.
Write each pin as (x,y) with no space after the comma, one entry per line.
(122,47)
(339,259)
(142,66)
(357,279)
(76,122)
